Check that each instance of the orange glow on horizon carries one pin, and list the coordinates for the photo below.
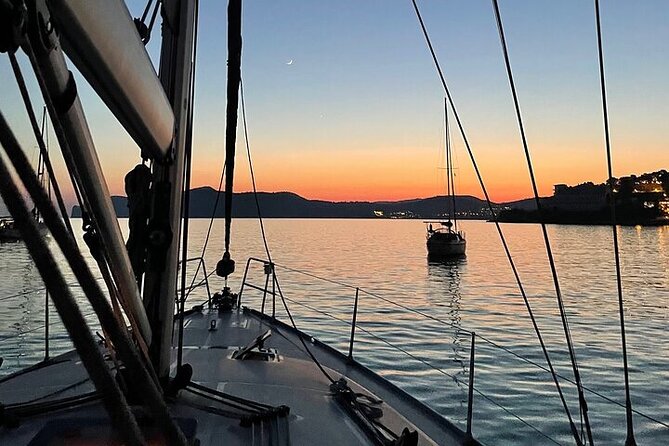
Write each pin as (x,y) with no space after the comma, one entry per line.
(365,176)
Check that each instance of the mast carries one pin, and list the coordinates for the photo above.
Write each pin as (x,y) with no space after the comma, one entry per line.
(40,162)
(175,74)
(450,184)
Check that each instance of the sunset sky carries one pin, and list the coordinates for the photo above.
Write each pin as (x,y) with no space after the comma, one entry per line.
(358,113)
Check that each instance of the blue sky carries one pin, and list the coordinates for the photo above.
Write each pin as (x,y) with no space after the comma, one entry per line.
(358,113)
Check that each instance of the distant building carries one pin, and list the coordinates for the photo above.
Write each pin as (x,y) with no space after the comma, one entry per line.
(649,192)
(560,189)
(648,186)
(642,199)
(580,198)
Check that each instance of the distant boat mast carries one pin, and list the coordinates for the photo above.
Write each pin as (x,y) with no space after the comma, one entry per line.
(450,183)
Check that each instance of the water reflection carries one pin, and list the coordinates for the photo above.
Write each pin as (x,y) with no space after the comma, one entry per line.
(477,293)
(20,309)
(433,259)
(445,273)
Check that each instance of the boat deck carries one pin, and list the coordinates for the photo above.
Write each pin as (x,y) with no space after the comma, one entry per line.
(294,381)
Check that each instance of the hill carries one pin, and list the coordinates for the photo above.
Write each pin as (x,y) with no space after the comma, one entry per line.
(290,205)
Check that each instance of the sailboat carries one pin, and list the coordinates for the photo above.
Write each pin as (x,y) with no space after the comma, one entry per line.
(217,373)
(8,230)
(446,240)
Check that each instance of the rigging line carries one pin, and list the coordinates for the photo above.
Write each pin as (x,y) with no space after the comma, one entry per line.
(448,153)
(478,391)
(501,347)
(449,165)
(40,327)
(629,441)
(203,394)
(199,284)
(153,21)
(292,321)
(505,246)
(43,408)
(211,409)
(354,402)
(226,396)
(211,224)
(549,252)
(146,10)
(421,360)
(20,80)
(185,208)
(479,336)
(63,389)
(22,293)
(45,181)
(275,280)
(144,375)
(207,396)
(453,196)
(421,313)
(114,401)
(332,281)
(253,176)
(264,237)
(35,290)
(40,166)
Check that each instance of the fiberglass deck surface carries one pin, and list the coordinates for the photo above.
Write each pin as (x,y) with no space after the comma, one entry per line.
(315,418)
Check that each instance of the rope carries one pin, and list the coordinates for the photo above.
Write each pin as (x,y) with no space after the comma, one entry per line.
(52,394)
(583,406)
(464,330)
(275,280)
(292,321)
(505,246)
(118,334)
(41,408)
(621,309)
(254,404)
(253,176)
(425,362)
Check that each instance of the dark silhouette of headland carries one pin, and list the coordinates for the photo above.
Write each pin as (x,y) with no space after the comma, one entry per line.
(640,200)
(290,205)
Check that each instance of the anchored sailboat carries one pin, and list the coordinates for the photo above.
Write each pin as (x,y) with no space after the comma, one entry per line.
(446,240)
(8,230)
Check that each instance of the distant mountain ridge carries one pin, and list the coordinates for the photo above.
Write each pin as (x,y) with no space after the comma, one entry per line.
(291,205)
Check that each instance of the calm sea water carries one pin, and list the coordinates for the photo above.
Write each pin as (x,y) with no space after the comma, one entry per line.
(516,401)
